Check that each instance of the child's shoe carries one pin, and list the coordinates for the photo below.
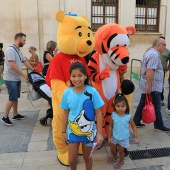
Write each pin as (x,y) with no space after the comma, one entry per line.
(119,165)
(111,160)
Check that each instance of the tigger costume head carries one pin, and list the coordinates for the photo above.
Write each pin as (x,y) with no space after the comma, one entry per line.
(113,40)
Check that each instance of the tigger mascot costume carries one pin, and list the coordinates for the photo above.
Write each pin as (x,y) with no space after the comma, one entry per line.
(75,40)
(110,59)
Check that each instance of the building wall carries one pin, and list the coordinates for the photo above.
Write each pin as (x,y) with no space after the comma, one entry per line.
(36,18)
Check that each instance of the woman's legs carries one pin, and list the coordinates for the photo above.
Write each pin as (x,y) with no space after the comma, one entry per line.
(73,155)
(86,154)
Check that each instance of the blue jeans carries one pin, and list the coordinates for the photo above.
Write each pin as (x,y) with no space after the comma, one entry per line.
(156,99)
(169,96)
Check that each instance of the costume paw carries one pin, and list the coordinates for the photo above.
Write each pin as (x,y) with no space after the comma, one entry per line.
(63,158)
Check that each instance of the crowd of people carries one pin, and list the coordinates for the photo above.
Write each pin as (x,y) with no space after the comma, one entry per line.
(153,69)
(12,71)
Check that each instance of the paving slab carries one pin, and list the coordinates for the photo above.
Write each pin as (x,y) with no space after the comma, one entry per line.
(28,145)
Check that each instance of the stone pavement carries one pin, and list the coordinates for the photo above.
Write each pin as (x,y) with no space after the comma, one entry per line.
(28,145)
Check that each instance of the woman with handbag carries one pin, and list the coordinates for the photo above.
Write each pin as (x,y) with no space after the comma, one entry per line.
(34,60)
(34,57)
(48,55)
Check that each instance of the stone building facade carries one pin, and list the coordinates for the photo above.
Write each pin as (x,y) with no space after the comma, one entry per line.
(36,18)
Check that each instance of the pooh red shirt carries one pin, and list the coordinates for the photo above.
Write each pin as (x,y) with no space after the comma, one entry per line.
(60,65)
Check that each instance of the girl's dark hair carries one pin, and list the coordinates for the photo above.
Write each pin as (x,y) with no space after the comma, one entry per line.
(121,98)
(82,68)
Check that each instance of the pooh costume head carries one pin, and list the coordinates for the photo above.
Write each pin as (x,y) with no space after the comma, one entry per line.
(75,40)
(111,58)
(74,35)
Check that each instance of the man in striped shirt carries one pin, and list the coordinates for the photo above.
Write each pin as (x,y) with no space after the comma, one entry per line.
(151,82)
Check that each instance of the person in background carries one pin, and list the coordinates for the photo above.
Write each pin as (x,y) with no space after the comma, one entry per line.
(48,55)
(119,132)
(1,59)
(168,109)
(56,50)
(151,82)
(12,77)
(34,57)
(165,60)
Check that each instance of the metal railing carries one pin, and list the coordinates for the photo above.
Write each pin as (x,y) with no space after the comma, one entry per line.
(133,74)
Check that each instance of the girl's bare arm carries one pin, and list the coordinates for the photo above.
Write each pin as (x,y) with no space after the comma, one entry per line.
(99,126)
(110,130)
(64,127)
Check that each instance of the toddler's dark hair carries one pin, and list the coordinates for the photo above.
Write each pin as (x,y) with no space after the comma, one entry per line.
(121,98)
(127,87)
(82,68)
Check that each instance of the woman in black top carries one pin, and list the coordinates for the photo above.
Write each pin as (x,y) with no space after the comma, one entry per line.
(48,55)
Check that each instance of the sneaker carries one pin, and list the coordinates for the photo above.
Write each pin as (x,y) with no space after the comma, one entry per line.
(139,125)
(18,117)
(165,129)
(167,111)
(126,154)
(7,121)
(119,165)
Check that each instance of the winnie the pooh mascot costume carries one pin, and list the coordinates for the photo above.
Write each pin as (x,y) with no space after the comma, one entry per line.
(110,59)
(75,40)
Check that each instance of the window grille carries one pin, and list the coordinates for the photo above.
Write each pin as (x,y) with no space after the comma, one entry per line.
(147,15)
(103,12)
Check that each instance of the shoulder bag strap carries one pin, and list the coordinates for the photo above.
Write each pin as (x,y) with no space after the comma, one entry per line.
(16,51)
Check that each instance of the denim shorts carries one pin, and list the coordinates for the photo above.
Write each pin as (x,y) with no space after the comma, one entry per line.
(84,143)
(14,89)
(124,143)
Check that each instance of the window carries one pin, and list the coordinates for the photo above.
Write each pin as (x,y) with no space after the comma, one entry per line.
(147,15)
(103,12)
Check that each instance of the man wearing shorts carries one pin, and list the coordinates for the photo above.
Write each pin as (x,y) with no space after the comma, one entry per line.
(12,77)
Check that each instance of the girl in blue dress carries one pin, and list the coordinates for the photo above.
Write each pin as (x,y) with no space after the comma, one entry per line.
(119,132)
(81,104)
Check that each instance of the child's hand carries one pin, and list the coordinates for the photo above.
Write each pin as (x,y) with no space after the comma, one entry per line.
(99,140)
(64,137)
(137,141)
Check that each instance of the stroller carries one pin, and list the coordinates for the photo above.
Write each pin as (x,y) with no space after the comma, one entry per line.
(40,89)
